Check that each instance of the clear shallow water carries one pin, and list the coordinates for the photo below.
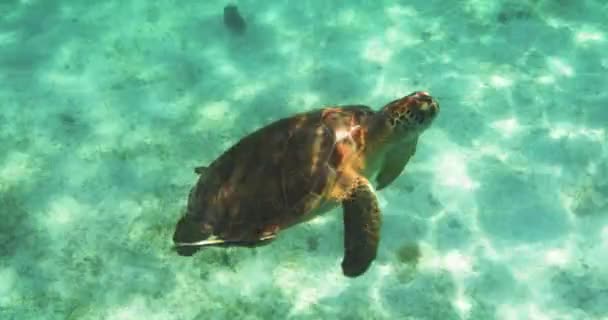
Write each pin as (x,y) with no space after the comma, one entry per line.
(105,109)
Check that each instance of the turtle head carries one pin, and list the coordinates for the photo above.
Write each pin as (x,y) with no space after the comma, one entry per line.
(412,113)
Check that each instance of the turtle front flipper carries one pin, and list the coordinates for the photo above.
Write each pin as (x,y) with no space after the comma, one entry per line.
(361,229)
(394,163)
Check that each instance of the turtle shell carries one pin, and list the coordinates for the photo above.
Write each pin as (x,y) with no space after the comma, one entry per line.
(280,175)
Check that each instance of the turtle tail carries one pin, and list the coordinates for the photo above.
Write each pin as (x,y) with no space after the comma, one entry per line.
(189,236)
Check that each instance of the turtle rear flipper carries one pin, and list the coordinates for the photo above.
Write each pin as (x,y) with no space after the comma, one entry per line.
(267,239)
(187,232)
(189,248)
(201,170)
(189,237)
(361,229)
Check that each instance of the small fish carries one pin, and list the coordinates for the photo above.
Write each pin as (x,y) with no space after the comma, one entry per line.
(233,19)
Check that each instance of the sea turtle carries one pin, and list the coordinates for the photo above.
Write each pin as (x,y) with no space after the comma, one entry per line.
(301,166)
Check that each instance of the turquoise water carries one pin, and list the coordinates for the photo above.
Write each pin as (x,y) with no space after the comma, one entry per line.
(105,108)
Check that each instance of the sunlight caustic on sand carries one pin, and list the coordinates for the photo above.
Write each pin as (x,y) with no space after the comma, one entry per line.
(508,127)
(452,171)
(605,236)
(376,51)
(557,257)
(560,67)
(585,37)
(63,211)
(463,305)
(18,168)
(569,130)
(8,279)
(500,81)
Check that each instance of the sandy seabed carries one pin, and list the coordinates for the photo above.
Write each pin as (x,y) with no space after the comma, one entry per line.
(105,108)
